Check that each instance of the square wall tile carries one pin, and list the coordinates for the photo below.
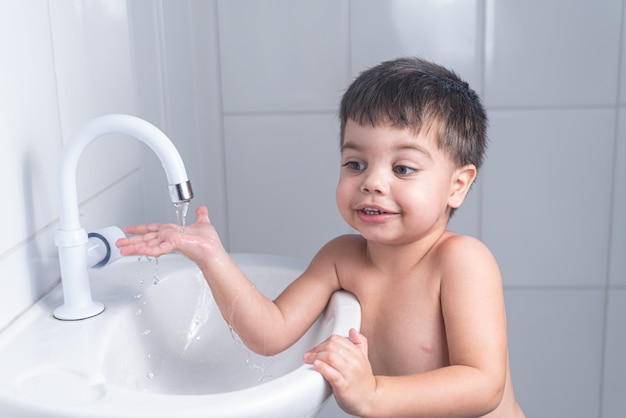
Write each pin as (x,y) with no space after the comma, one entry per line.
(95,76)
(30,138)
(555,349)
(448,33)
(281,176)
(617,266)
(279,55)
(551,53)
(613,400)
(547,193)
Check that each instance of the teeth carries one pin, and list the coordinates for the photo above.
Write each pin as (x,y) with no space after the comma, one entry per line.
(370,211)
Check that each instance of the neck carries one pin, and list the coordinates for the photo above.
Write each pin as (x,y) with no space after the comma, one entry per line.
(393,258)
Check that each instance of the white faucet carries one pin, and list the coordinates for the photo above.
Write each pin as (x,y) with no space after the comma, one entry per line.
(71,239)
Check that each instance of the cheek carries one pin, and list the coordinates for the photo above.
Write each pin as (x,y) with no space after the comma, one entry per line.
(340,194)
(343,197)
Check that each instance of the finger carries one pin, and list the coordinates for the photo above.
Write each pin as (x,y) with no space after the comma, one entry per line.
(202,215)
(136,239)
(142,229)
(152,248)
(324,346)
(335,351)
(329,373)
(359,340)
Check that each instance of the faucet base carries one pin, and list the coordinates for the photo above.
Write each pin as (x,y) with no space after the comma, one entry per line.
(73,313)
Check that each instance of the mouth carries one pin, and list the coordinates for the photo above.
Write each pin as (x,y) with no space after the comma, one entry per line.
(373,211)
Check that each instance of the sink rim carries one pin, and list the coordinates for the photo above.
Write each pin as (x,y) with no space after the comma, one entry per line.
(122,401)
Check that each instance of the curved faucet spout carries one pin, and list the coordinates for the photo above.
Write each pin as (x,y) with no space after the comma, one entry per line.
(71,237)
(124,124)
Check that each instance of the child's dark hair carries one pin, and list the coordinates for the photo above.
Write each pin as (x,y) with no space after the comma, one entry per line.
(417,94)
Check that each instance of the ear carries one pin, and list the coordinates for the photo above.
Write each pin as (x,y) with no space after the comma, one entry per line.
(461,182)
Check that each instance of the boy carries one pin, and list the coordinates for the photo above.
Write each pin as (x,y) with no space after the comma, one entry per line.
(433,332)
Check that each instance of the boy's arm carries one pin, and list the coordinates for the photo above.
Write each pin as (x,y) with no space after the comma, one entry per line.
(472,385)
(266,327)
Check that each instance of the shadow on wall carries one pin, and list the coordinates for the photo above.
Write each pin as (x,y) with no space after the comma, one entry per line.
(43,264)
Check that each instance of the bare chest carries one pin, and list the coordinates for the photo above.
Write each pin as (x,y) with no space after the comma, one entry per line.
(404,327)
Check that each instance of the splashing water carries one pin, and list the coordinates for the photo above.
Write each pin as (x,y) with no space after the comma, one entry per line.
(155,277)
(258,368)
(202,314)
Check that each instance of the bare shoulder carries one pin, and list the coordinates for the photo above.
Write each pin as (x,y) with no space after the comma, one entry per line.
(344,245)
(333,255)
(341,254)
(456,247)
(465,256)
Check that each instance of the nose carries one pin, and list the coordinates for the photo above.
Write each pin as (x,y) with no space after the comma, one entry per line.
(374,181)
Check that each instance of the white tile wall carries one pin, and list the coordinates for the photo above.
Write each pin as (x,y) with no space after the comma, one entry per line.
(614,385)
(556,53)
(281,177)
(547,188)
(63,63)
(29,125)
(447,32)
(30,140)
(248,91)
(622,99)
(282,56)
(94,72)
(618,223)
(555,343)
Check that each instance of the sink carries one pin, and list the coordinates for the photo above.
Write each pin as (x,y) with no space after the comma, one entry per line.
(162,349)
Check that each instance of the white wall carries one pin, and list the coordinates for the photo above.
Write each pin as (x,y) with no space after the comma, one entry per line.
(62,63)
(248,91)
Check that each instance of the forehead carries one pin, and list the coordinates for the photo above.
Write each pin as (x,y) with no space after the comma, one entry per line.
(387,136)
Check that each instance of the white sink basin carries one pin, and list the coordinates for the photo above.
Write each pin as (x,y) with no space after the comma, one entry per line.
(161,350)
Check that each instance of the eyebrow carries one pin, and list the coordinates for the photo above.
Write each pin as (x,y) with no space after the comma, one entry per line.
(402,147)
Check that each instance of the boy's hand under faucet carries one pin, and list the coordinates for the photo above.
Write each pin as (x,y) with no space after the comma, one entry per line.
(196,242)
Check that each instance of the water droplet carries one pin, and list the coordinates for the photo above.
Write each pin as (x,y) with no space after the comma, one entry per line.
(149,375)
(137,312)
(145,332)
(156,277)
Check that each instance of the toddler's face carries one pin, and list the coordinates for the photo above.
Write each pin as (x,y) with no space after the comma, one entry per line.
(394,186)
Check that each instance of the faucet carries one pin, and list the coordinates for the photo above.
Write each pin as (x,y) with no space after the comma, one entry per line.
(71,238)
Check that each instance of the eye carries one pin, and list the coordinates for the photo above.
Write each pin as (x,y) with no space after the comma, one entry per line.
(354,166)
(403,170)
